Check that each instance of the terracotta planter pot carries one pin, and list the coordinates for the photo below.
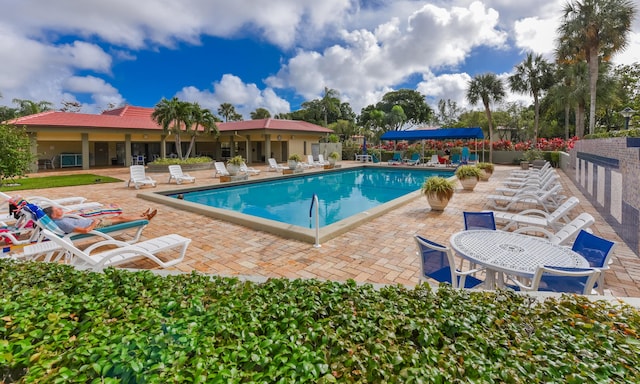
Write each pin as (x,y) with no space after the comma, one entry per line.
(435,203)
(469,183)
(484,175)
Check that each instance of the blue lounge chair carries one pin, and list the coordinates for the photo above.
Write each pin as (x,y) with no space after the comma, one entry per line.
(396,159)
(414,160)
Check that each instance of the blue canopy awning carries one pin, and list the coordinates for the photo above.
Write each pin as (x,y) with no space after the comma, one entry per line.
(435,134)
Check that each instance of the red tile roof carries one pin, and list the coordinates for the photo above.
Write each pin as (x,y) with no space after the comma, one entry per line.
(130,117)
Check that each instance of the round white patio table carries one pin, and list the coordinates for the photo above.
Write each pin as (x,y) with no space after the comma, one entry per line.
(512,253)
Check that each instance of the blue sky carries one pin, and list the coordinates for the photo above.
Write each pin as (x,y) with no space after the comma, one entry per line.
(273,55)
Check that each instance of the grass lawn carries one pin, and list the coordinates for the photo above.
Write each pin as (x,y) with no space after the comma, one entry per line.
(54,181)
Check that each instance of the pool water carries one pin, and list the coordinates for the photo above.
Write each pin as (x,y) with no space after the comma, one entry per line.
(340,194)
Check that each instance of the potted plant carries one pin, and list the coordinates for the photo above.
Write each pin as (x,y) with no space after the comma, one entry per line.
(486,170)
(438,192)
(233,165)
(294,159)
(333,157)
(468,176)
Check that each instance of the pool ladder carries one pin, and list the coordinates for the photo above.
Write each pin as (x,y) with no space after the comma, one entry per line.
(314,200)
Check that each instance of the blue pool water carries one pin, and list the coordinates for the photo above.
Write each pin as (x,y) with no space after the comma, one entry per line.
(340,194)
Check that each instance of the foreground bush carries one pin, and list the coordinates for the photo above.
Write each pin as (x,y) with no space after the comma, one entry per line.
(62,325)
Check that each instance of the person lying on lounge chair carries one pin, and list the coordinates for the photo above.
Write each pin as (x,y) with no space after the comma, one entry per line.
(84,225)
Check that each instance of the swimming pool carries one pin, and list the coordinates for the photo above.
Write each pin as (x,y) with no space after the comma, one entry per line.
(347,198)
(340,194)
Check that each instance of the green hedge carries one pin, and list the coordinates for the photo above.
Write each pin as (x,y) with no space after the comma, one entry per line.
(58,324)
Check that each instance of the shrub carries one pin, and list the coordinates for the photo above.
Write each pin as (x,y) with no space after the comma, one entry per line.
(467,171)
(236,160)
(59,324)
(295,157)
(441,187)
(334,155)
(173,161)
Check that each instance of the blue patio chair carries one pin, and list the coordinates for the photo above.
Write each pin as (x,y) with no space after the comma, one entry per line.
(479,220)
(558,279)
(396,159)
(437,263)
(596,250)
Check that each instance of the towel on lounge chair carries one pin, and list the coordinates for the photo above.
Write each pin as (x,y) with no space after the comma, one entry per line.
(109,209)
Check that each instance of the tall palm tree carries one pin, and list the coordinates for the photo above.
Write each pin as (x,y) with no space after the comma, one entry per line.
(533,76)
(330,104)
(227,111)
(172,115)
(594,30)
(487,88)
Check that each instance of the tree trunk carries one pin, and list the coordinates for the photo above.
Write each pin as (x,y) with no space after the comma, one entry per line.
(178,146)
(593,82)
(192,142)
(567,112)
(536,118)
(488,112)
(580,119)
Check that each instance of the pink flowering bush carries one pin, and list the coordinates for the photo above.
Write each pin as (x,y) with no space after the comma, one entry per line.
(543,144)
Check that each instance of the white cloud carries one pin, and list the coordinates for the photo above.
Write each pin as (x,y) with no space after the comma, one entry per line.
(367,62)
(231,89)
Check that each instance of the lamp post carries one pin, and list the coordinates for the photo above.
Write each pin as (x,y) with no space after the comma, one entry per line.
(627,113)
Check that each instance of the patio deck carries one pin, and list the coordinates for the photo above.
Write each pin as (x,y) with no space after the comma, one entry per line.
(381,251)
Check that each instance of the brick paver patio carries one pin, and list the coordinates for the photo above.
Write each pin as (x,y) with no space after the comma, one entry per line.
(380,251)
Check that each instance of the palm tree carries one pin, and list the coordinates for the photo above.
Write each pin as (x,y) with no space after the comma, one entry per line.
(594,30)
(330,103)
(199,118)
(172,115)
(227,110)
(533,76)
(28,107)
(487,88)
(260,113)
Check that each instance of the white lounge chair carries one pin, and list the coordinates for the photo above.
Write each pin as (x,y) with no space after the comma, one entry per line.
(537,217)
(61,201)
(546,199)
(90,258)
(44,202)
(221,169)
(548,184)
(274,166)
(41,221)
(566,234)
(175,173)
(541,170)
(531,177)
(322,161)
(311,163)
(248,170)
(139,178)
(523,182)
